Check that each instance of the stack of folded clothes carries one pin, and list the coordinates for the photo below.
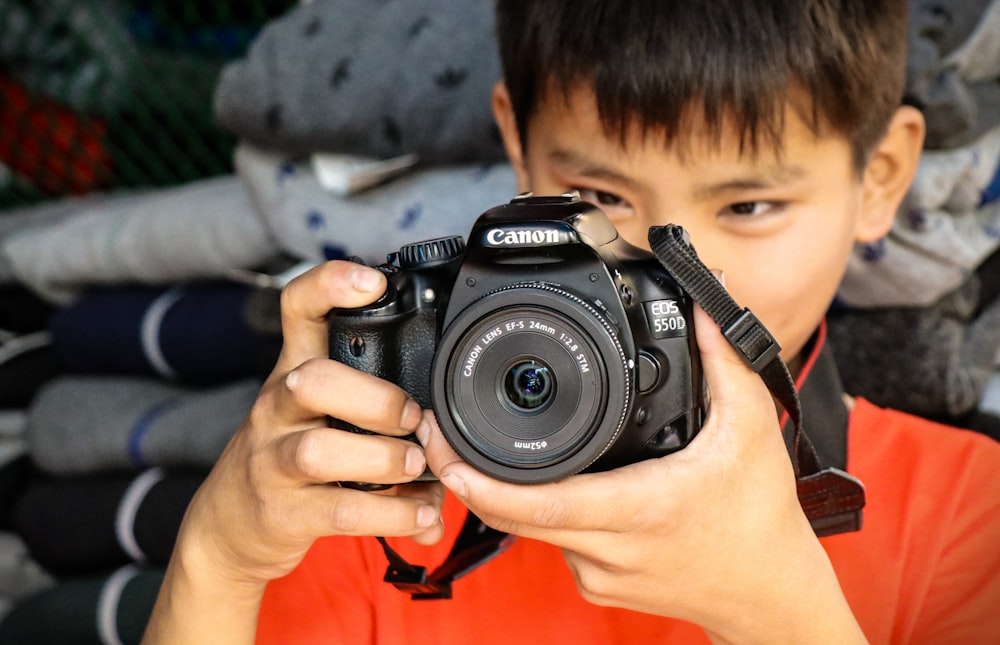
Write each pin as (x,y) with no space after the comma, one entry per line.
(120,391)
(917,322)
(136,325)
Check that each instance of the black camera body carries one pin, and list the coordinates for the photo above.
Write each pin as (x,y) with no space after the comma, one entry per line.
(546,347)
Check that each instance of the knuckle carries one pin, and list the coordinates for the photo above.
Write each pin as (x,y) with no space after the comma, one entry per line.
(289,300)
(380,458)
(310,371)
(295,297)
(259,468)
(591,582)
(552,514)
(391,461)
(383,406)
(345,516)
(308,455)
(260,414)
(311,382)
(376,406)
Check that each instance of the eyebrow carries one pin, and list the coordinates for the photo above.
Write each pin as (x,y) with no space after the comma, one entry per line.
(767,177)
(588,168)
(764,178)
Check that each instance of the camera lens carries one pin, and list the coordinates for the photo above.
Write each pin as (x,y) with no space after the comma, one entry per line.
(529,384)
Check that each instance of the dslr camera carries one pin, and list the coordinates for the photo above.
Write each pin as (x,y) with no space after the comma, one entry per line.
(546,347)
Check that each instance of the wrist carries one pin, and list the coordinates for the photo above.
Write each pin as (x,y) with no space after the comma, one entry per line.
(195,567)
(196,600)
(801,602)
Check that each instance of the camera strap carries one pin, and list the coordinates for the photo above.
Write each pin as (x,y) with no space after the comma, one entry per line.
(831,499)
(476,545)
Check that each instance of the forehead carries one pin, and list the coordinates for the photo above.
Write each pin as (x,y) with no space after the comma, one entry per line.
(573,117)
(568,142)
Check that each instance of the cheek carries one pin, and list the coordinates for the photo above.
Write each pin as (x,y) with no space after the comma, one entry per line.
(789,302)
(790,282)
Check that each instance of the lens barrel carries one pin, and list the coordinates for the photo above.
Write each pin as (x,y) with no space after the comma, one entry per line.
(530,384)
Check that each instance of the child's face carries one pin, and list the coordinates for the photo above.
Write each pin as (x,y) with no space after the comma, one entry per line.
(780,228)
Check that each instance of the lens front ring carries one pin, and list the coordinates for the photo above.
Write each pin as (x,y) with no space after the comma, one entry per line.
(567,432)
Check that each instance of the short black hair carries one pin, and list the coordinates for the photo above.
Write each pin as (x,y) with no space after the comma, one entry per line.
(651,61)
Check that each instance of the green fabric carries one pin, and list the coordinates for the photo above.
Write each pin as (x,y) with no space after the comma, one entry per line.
(133,80)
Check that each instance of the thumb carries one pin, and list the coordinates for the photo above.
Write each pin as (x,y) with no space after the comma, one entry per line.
(735,390)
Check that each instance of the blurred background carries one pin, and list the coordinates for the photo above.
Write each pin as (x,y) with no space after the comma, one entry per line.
(166,167)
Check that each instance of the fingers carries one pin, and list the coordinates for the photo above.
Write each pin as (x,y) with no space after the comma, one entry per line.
(307,301)
(322,455)
(312,459)
(557,512)
(322,387)
(313,386)
(329,510)
(543,511)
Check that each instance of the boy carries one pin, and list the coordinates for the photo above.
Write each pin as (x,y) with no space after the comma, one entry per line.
(772,132)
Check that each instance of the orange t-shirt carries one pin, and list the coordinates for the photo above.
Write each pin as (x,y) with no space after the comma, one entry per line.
(924,569)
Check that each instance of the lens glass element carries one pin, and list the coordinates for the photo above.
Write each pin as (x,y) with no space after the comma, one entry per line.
(529,384)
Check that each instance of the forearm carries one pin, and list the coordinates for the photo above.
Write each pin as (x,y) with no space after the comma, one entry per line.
(195,605)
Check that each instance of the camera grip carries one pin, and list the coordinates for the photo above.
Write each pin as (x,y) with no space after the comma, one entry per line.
(398,348)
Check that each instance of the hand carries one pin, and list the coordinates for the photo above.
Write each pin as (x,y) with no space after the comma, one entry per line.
(270,493)
(712,534)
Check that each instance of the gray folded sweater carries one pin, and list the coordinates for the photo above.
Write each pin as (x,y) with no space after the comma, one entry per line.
(376,79)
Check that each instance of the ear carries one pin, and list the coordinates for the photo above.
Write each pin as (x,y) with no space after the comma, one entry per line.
(503,113)
(889,173)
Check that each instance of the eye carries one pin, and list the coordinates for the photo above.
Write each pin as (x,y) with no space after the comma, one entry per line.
(612,204)
(750,209)
(602,198)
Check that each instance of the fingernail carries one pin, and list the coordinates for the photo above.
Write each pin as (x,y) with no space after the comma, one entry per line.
(292,379)
(720,276)
(423,433)
(412,414)
(415,461)
(455,484)
(427,516)
(365,279)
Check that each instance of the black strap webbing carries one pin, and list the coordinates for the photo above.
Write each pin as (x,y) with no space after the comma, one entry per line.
(476,545)
(831,499)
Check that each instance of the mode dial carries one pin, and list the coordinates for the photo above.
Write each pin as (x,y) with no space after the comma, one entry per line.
(432,252)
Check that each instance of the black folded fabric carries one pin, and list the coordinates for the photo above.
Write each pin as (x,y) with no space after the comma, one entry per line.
(195,334)
(107,609)
(22,311)
(27,362)
(83,525)
(14,477)
(931,361)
